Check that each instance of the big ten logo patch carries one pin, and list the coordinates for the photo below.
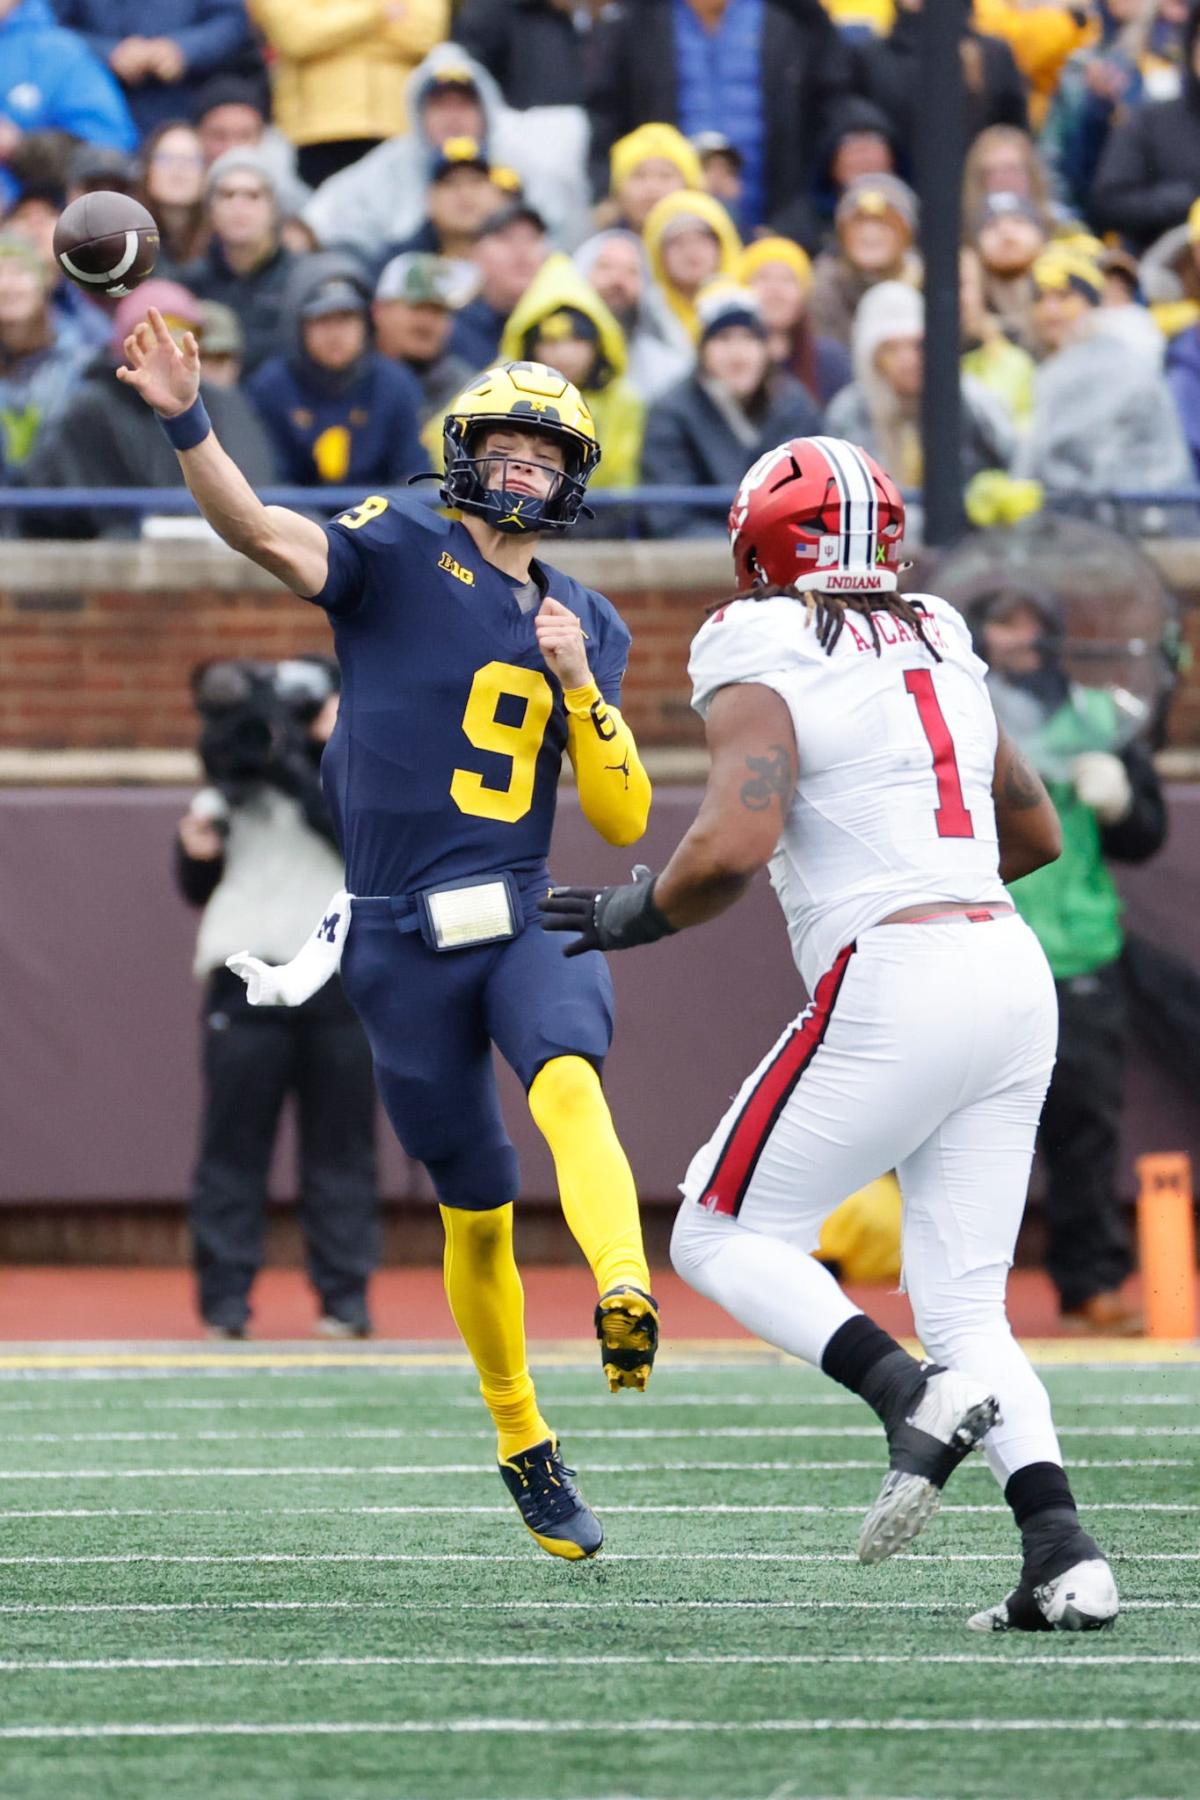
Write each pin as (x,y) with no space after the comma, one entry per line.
(447,562)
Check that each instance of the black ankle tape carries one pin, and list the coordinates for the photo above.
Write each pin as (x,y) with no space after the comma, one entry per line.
(1038,1488)
(867,1360)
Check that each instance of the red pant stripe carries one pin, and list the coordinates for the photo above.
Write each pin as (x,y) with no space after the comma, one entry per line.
(754,1124)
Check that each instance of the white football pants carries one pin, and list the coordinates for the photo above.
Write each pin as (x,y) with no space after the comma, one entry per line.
(927,1049)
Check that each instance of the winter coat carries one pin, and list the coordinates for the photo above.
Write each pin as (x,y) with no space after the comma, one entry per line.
(889,74)
(987,434)
(1104,418)
(108,437)
(50,81)
(533,48)
(697,436)
(341,67)
(358,426)
(381,198)
(712,213)
(617,408)
(1183,379)
(257,298)
(838,287)
(1149,172)
(633,80)
(660,350)
(214,35)
(34,392)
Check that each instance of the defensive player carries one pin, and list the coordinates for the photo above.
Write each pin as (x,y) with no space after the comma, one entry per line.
(467,669)
(854,748)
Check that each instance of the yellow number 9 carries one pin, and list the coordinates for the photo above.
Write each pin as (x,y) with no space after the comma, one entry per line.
(364,512)
(520,743)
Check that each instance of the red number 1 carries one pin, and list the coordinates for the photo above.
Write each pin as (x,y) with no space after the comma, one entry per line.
(953,819)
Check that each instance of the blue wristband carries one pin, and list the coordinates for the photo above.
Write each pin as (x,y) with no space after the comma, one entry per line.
(187,429)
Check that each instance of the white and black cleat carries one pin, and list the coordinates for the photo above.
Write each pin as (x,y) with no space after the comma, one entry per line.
(952,1417)
(1083,1598)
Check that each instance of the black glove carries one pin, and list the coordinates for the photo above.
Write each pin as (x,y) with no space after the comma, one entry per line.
(611,918)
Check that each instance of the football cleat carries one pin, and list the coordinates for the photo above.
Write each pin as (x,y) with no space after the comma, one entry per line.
(954,1414)
(1083,1598)
(627,1326)
(549,1502)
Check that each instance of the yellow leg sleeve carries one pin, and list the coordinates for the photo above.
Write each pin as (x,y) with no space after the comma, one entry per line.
(595,1182)
(484,1289)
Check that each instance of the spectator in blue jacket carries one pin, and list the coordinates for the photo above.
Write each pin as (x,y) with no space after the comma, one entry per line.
(161,53)
(337,410)
(50,81)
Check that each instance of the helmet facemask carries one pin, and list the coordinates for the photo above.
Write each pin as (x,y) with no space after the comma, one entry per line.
(471,485)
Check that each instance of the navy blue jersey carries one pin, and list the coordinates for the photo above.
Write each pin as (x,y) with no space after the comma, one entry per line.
(446,755)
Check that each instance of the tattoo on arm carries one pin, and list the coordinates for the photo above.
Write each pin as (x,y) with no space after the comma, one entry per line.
(1023,789)
(770,778)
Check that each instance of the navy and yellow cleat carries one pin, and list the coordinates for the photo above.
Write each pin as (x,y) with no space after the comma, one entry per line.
(627,1326)
(549,1502)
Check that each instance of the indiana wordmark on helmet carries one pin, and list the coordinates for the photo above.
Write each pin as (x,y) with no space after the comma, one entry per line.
(527,397)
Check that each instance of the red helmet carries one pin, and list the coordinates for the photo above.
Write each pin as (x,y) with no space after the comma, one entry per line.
(817,513)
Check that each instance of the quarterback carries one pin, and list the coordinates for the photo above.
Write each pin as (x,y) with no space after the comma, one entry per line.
(468,668)
(855,750)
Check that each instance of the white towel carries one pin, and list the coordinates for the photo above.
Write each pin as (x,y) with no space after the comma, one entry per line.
(291,984)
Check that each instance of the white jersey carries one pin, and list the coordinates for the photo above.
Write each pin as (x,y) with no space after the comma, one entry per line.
(896,751)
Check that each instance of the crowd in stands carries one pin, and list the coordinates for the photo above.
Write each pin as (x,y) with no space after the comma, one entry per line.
(700,211)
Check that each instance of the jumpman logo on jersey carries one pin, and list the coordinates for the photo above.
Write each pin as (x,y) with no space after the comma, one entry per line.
(327,929)
(621,768)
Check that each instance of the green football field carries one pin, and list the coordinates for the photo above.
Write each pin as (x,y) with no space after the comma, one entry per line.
(287,1575)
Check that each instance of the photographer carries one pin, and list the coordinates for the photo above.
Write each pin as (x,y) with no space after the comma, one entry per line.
(1111,807)
(256,850)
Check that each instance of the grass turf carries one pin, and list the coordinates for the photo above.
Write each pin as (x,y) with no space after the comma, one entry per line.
(311,1585)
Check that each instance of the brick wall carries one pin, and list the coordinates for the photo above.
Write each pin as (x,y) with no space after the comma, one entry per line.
(96,641)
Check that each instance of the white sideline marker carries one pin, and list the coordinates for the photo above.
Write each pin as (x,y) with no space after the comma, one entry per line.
(957,1659)
(577,1727)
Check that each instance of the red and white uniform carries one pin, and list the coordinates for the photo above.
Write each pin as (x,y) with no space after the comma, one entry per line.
(927,1047)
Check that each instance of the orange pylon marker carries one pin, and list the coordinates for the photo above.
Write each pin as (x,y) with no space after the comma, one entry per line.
(1167,1244)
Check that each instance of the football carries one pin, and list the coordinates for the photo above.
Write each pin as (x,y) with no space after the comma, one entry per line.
(107,243)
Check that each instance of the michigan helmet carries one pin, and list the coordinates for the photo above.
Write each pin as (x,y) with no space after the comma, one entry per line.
(525,396)
(817,513)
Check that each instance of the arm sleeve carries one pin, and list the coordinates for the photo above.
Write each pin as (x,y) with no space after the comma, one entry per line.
(1143,831)
(614,788)
(221,30)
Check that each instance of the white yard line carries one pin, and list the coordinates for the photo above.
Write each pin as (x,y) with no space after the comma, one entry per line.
(580,1727)
(500,1510)
(114,1665)
(636,1434)
(530,1558)
(638,1603)
(482,1468)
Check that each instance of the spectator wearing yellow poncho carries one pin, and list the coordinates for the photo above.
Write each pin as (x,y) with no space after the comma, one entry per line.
(561,320)
(690,239)
(644,167)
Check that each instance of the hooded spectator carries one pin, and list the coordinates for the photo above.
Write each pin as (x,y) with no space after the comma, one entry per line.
(1097,87)
(561,321)
(51,81)
(413,315)
(380,199)
(337,411)
(38,370)
(460,196)
(767,73)
(861,141)
(172,187)
(1103,415)
(1008,238)
(889,73)
(510,248)
(245,265)
(162,53)
(689,240)
(1149,171)
(660,351)
(107,437)
(876,223)
(644,167)
(1004,160)
(339,75)
(735,407)
(533,49)
(881,409)
(780,276)
(988,356)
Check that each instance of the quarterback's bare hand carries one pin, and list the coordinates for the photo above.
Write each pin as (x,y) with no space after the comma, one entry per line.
(560,640)
(608,918)
(165,374)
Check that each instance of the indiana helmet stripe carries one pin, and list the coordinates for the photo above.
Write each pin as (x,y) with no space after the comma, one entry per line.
(858,488)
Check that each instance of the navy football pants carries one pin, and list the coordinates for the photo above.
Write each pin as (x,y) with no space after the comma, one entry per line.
(432,1018)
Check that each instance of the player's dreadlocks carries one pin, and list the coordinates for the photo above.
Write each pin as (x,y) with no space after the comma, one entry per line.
(828,612)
